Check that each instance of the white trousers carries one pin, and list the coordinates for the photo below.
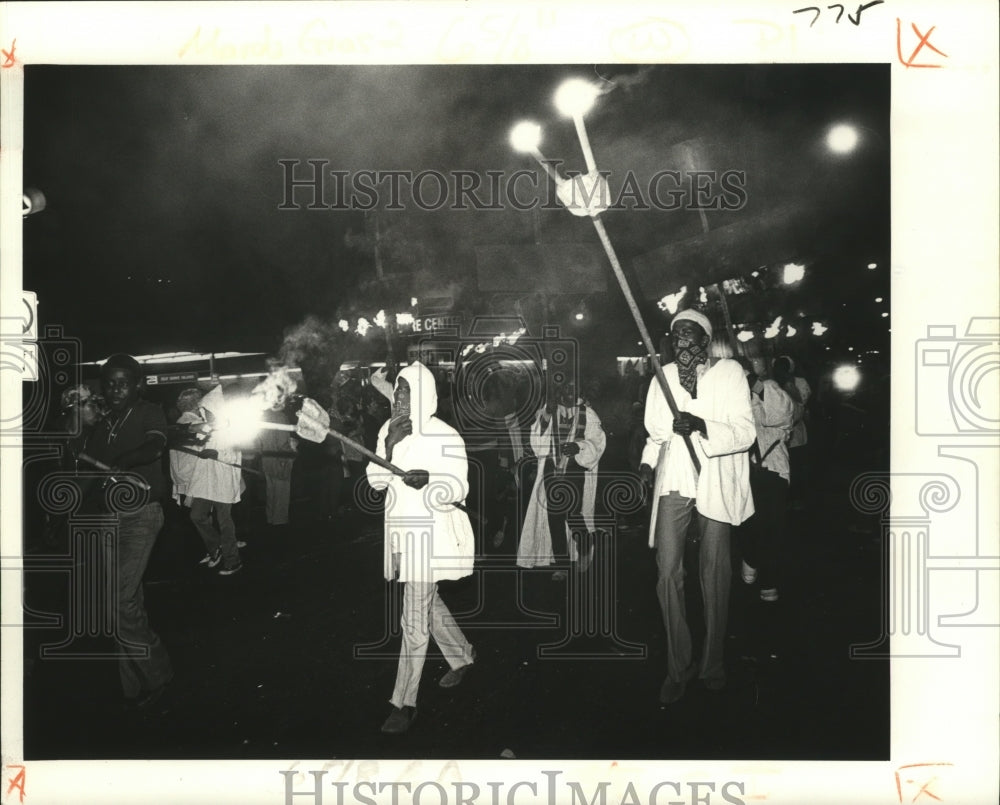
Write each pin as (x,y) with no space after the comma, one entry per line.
(424,616)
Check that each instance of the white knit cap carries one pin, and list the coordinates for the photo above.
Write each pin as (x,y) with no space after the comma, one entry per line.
(693,315)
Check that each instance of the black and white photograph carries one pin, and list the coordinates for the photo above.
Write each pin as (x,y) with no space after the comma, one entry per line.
(472,412)
(209,231)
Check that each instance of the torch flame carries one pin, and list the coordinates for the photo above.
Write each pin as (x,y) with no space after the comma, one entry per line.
(772,331)
(670,302)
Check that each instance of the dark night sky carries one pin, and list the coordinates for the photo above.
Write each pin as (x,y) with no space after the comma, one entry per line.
(162,229)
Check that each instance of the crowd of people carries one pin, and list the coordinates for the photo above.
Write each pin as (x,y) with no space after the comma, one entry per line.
(715,441)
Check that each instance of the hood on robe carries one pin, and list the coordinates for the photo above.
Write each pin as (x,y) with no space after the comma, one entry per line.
(423,392)
(213,401)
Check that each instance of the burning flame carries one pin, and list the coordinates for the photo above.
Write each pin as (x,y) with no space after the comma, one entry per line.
(793,272)
(363,326)
(790,331)
(404,319)
(344,325)
(670,302)
(819,328)
(380,319)
(239,420)
(772,331)
(744,335)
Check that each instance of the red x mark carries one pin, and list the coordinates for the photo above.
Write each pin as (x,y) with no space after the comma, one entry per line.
(925,788)
(920,45)
(8,57)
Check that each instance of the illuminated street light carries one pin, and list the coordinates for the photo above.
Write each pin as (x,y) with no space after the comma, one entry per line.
(575,97)
(525,137)
(793,273)
(846,378)
(841,139)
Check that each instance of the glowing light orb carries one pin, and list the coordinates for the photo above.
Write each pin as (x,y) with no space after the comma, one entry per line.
(575,97)
(579,317)
(793,273)
(846,378)
(239,420)
(842,138)
(872,266)
(525,137)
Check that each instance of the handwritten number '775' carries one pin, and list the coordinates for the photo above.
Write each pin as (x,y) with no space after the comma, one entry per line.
(854,18)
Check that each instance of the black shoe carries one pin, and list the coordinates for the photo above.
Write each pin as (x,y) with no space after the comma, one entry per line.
(211,559)
(228,571)
(454,676)
(399,720)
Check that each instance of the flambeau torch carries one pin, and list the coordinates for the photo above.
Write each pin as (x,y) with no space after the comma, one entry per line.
(588,196)
(313,422)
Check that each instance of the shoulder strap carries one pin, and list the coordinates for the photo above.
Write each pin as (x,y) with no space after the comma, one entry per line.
(774,444)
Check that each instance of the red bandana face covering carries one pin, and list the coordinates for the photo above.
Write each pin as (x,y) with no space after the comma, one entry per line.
(689,355)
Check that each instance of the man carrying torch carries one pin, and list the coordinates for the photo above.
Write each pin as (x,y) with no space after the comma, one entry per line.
(713,402)
(427,538)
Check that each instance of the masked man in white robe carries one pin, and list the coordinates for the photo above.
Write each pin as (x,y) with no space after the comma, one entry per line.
(713,399)
(568,441)
(426,539)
